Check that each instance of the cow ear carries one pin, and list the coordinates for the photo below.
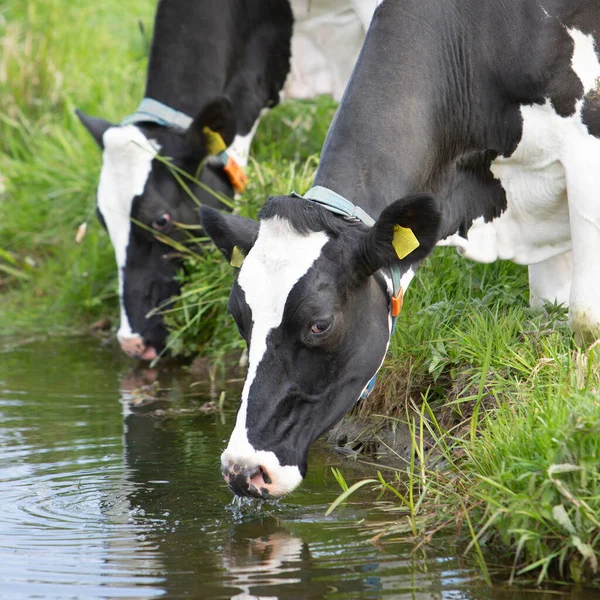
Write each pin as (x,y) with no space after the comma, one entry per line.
(213,129)
(95,126)
(406,230)
(234,236)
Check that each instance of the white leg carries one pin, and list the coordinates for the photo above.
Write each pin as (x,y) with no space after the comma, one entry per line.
(550,280)
(328,35)
(365,9)
(581,160)
(583,185)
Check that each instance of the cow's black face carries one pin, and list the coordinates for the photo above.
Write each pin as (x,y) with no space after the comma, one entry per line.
(313,306)
(140,202)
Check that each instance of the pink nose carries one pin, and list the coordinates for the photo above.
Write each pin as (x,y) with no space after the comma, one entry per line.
(135,347)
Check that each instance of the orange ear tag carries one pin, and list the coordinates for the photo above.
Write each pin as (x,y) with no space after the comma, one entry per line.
(397,303)
(236,175)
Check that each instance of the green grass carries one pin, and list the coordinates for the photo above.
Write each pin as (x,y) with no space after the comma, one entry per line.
(503,409)
(55,56)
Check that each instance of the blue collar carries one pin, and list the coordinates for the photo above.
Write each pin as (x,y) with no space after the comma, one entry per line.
(339,205)
(154,111)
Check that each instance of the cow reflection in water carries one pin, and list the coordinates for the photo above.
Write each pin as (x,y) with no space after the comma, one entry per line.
(169,489)
(199,543)
(262,554)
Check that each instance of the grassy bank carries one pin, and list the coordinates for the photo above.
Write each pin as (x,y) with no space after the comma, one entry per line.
(504,413)
(55,56)
(503,408)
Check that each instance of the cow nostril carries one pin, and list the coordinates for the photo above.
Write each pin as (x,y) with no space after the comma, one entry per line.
(239,484)
(266,478)
(252,473)
(247,481)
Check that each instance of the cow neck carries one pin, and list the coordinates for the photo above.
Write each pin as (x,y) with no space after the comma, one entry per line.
(382,142)
(201,50)
(191,51)
(184,71)
(190,57)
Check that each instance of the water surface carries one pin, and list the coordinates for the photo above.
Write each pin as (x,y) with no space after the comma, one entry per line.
(110,488)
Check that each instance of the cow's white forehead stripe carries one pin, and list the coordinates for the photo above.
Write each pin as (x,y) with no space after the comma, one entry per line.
(126,164)
(277,261)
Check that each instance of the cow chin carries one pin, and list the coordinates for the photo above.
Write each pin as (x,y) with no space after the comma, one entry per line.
(146,345)
(135,347)
(258,474)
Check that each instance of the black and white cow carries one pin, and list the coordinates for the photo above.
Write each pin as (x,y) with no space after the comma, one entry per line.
(466,122)
(214,64)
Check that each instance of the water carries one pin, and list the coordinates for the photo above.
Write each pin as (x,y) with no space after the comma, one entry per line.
(110,493)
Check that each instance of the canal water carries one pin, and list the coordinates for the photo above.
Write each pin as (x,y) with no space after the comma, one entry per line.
(110,488)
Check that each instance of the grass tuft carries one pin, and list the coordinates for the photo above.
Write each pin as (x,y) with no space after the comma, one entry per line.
(508,459)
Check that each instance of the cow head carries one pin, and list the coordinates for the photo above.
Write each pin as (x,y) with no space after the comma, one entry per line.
(312,301)
(140,201)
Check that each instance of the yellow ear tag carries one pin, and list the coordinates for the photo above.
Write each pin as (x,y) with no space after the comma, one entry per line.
(404,241)
(237,257)
(214,142)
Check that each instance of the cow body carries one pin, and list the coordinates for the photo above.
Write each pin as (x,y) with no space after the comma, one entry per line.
(220,62)
(466,123)
(509,129)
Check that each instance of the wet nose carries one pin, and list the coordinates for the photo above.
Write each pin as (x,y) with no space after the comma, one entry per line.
(247,481)
(134,346)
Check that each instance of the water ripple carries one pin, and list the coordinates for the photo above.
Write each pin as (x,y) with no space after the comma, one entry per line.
(68,529)
(97,502)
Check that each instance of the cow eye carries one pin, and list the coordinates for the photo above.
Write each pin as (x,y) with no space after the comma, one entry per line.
(161,222)
(320,327)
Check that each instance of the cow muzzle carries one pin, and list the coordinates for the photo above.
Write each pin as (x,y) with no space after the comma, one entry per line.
(260,478)
(249,481)
(135,347)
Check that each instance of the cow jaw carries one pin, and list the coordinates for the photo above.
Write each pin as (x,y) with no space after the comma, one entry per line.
(276,262)
(126,165)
